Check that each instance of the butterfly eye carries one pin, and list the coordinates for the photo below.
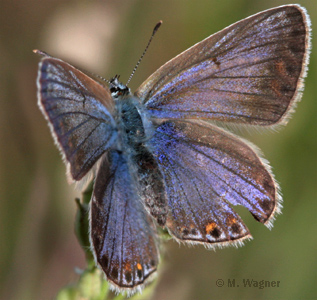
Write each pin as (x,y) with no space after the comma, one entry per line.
(113,90)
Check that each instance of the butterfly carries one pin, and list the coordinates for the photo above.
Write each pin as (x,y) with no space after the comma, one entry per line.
(160,157)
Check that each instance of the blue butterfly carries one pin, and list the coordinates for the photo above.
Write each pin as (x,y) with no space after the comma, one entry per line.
(159,160)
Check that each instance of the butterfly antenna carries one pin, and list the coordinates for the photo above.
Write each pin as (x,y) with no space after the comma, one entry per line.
(103,79)
(157,26)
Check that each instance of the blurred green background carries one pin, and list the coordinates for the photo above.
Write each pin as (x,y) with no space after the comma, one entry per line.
(38,250)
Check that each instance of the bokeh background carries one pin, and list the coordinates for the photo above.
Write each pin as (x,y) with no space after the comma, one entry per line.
(38,248)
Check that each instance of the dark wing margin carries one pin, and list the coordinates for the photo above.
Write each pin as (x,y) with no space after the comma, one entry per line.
(80,114)
(123,234)
(207,170)
(252,72)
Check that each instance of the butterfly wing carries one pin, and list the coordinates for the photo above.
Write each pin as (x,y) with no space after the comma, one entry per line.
(122,232)
(249,73)
(206,170)
(79,111)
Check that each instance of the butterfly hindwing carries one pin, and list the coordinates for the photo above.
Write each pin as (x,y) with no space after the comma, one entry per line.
(122,232)
(249,73)
(80,113)
(206,170)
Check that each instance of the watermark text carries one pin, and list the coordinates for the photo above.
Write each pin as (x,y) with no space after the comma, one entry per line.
(248,283)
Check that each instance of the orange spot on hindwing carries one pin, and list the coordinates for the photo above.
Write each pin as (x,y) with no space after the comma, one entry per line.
(210,227)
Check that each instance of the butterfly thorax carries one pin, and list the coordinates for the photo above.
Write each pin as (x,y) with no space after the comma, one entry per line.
(128,117)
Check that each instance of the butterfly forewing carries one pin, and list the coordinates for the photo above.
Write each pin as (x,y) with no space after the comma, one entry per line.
(80,112)
(248,73)
(122,232)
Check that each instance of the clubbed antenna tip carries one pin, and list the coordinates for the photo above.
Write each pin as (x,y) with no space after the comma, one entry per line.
(157,26)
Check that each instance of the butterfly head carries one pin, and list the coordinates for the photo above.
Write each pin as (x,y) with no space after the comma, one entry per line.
(117,88)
